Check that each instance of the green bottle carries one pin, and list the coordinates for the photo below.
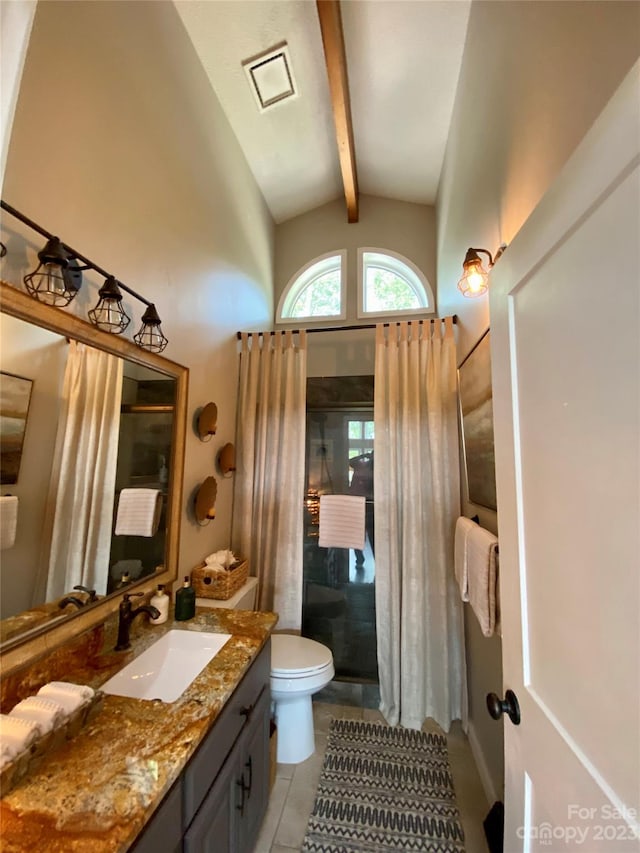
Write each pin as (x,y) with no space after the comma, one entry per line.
(185,601)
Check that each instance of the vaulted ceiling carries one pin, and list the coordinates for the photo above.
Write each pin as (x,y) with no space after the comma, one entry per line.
(402,59)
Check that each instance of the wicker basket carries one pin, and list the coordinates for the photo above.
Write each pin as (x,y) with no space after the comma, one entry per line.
(210,582)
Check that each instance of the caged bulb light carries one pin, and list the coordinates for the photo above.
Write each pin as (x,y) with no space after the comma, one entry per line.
(57,278)
(150,336)
(109,315)
(475,278)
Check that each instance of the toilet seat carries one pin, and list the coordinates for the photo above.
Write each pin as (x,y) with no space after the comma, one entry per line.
(298,657)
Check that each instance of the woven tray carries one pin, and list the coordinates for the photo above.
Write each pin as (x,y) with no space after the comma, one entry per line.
(210,582)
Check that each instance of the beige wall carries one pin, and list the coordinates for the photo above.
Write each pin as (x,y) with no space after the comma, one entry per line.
(120,147)
(16,20)
(535,75)
(408,229)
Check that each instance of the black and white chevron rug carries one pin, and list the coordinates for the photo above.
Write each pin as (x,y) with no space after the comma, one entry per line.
(384,788)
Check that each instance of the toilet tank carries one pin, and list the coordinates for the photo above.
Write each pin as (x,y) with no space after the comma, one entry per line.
(243,599)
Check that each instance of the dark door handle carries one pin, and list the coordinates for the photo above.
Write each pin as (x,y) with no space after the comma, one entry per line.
(509,705)
(241,785)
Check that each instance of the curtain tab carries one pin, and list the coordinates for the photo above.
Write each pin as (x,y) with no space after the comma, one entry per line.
(448,327)
(380,339)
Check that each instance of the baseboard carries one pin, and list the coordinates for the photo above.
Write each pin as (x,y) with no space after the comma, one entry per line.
(483,771)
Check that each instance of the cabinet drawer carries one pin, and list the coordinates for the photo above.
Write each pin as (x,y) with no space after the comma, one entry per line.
(206,763)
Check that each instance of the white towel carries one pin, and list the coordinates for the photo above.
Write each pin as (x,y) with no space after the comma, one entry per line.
(341,521)
(138,512)
(69,700)
(463,526)
(482,561)
(8,521)
(82,690)
(222,558)
(17,734)
(45,713)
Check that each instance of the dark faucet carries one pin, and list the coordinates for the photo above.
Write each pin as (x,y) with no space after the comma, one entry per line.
(91,593)
(71,599)
(126,617)
(79,602)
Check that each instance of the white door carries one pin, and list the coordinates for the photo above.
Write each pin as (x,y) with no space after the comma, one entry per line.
(565,330)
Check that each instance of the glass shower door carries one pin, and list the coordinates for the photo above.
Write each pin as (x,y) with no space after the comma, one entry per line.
(339,584)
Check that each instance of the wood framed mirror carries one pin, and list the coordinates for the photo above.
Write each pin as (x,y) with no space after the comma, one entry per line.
(150,455)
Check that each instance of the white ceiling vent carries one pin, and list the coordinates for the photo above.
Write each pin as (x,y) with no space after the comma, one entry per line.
(270,77)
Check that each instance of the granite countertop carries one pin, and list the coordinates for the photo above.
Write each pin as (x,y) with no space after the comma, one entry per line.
(96,793)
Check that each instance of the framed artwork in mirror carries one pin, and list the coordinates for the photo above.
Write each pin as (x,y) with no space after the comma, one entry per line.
(476,411)
(15,395)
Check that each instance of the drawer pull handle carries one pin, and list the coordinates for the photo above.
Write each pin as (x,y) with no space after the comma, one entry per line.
(246,711)
(249,764)
(240,784)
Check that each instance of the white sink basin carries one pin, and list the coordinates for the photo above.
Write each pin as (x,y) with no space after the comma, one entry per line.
(167,668)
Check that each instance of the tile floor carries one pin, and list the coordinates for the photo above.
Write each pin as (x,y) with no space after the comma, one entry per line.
(294,790)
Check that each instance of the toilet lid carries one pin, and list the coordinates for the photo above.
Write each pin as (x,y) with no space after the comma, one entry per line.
(291,655)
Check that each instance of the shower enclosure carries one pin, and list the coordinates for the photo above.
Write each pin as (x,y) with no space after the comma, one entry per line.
(338,607)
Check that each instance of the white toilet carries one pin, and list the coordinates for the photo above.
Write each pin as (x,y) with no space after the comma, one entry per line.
(299,668)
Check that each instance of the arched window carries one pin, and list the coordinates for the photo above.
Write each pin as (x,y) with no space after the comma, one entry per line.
(316,291)
(391,284)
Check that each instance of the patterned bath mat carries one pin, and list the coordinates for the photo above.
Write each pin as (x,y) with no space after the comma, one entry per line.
(382,789)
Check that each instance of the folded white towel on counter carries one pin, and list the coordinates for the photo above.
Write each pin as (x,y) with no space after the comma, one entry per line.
(16,734)
(8,521)
(461,567)
(138,512)
(341,521)
(8,751)
(47,714)
(82,690)
(482,562)
(70,701)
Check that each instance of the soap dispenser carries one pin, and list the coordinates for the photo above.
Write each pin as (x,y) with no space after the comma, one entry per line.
(161,601)
(185,601)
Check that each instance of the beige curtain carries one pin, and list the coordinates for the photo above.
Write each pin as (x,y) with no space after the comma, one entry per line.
(269,486)
(82,488)
(417,500)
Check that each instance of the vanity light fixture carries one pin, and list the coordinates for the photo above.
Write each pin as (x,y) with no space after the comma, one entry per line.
(150,336)
(58,278)
(109,315)
(475,278)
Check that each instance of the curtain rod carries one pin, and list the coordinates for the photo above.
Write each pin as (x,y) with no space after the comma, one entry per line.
(454,318)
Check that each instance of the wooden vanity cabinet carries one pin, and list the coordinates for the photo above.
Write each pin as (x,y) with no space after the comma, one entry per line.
(217,804)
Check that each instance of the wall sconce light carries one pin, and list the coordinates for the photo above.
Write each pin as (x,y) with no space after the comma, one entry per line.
(57,278)
(208,422)
(109,315)
(475,278)
(150,336)
(205,502)
(227,459)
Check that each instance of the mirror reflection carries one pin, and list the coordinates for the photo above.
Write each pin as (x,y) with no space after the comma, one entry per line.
(93,483)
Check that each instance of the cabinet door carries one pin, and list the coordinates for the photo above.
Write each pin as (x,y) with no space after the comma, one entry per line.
(164,830)
(214,827)
(254,773)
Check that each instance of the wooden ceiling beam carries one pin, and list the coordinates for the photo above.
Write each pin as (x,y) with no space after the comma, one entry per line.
(336,61)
